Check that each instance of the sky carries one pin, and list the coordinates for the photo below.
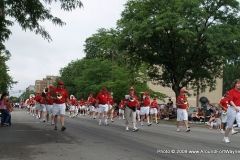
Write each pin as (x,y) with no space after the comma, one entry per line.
(34,57)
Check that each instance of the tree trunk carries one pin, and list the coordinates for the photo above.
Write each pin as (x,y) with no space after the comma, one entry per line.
(176,88)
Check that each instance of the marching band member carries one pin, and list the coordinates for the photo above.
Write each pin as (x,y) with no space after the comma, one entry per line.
(42,108)
(73,105)
(111,107)
(144,110)
(91,103)
(154,110)
(82,107)
(182,106)
(130,109)
(49,105)
(121,107)
(234,101)
(37,106)
(60,96)
(102,101)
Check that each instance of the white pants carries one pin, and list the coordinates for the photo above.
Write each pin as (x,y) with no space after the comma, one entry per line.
(224,117)
(238,118)
(49,108)
(43,108)
(182,114)
(231,116)
(92,108)
(37,106)
(153,111)
(103,108)
(144,110)
(121,111)
(59,109)
(72,108)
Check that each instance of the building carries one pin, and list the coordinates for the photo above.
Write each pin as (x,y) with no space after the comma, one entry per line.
(213,96)
(41,84)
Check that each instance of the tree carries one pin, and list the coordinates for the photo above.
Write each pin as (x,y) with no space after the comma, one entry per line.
(25,95)
(85,76)
(5,79)
(105,45)
(230,72)
(29,14)
(186,42)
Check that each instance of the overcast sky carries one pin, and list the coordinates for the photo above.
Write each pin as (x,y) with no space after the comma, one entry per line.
(33,57)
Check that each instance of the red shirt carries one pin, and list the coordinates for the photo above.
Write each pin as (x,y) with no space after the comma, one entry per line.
(110,100)
(103,97)
(81,103)
(73,101)
(234,95)
(49,99)
(38,98)
(43,100)
(224,103)
(181,102)
(91,100)
(154,104)
(63,93)
(122,105)
(146,101)
(133,103)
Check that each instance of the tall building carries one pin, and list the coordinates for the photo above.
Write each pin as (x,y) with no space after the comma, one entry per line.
(41,84)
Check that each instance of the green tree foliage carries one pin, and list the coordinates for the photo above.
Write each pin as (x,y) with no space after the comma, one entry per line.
(25,95)
(105,45)
(29,14)
(85,76)
(14,99)
(231,72)
(186,42)
(5,79)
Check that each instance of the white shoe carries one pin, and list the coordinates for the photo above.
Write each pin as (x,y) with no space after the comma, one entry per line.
(149,124)
(178,129)
(234,132)
(127,129)
(226,140)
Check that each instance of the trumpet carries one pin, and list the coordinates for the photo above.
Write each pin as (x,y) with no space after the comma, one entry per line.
(131,98)
(59,96)
(45,90)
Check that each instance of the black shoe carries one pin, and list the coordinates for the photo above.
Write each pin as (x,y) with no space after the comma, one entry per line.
(135,129)
(63,128)
(55,128)
(188,130)
(149,124)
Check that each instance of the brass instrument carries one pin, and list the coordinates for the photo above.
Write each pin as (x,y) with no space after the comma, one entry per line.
(131,98)
(186,101)
(59,95)
(45,90)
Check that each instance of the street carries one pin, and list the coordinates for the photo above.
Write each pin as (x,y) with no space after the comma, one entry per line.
(84,139)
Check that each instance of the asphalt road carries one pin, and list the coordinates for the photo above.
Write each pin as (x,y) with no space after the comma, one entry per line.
(84,139)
